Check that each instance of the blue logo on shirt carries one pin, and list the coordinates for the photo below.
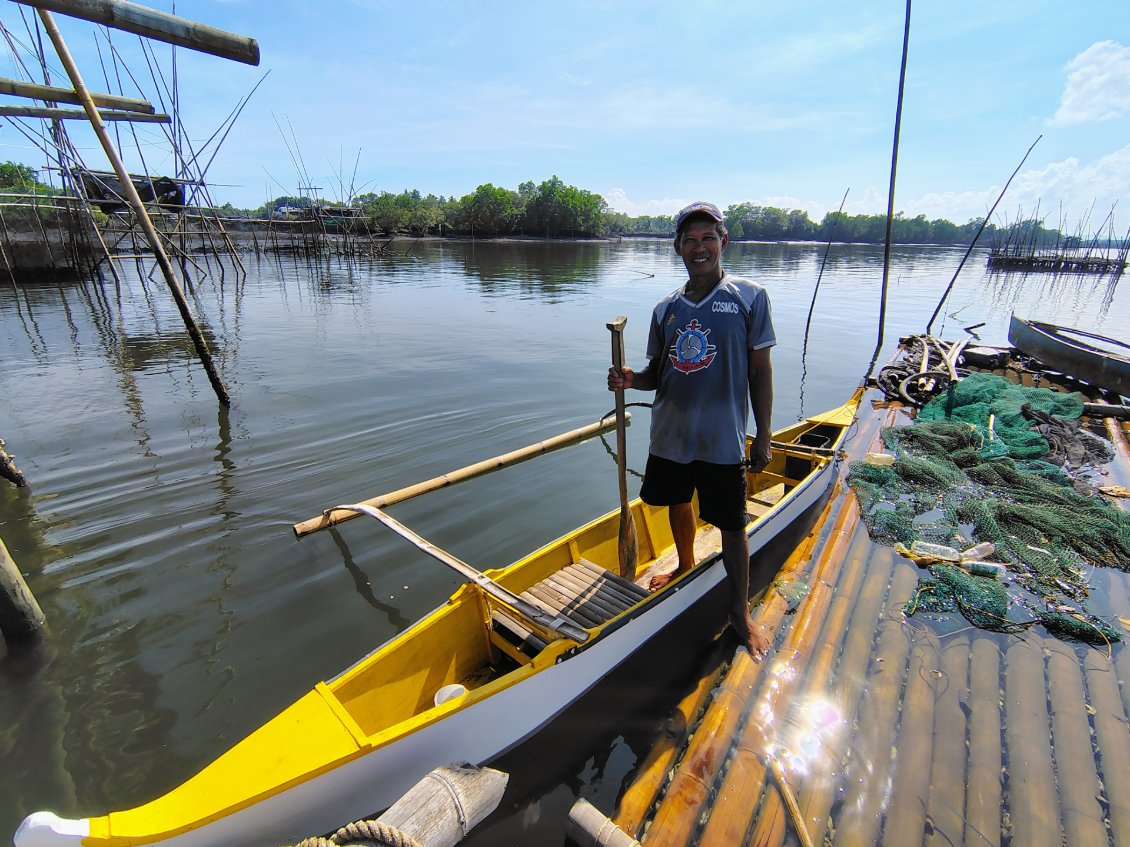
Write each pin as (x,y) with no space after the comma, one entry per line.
(692,351)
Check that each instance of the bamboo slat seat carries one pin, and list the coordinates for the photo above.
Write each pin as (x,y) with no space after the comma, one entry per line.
(584,593)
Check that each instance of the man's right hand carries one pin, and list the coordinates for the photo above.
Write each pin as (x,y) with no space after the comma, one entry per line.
(618,379)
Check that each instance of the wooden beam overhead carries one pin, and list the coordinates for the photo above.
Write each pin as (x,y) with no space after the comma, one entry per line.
(54,94)
(160,26)
(79,114)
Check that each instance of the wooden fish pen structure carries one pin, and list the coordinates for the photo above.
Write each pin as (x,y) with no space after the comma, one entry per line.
(865,727)
(1026,246)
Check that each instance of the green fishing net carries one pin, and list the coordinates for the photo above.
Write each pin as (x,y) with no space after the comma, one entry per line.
(972,469)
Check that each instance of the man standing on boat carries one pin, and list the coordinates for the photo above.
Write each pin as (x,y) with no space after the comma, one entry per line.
(708,360)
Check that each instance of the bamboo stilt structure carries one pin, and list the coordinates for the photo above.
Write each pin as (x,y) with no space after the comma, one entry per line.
(1076,775)
(1031,777)
(138,207)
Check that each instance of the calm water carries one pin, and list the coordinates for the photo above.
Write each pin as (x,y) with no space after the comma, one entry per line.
(156,531)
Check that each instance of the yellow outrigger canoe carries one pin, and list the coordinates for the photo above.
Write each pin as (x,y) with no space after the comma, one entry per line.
(510,650)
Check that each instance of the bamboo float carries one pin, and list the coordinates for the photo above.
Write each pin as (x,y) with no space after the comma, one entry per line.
(809,678)
(651,774)
(643,791)
(1112,741)
(945,805)
(983,789)
(742,678)
(867,774)
(1032,799)
(336,516)
(1121,464)
(1118,592)
(1075,765)
(910,776)
(438,811)
(854,656)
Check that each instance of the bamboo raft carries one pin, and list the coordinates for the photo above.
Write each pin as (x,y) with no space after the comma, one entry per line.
(865,727)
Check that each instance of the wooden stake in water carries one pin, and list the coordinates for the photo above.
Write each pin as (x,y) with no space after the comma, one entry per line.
(627,548)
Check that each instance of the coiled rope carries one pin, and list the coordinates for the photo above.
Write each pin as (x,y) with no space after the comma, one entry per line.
(359,831)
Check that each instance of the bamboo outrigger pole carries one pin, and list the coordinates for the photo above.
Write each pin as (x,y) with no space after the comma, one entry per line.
(131,195)
(336,516)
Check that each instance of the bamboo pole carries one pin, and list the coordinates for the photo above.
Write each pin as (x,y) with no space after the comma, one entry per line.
(910,776)
(818,798)
(651,774)
(1032,800)
(1075,766)
(77,114)
(1112,741)
(20,616)
(983,790)
(812,644)
(867,775)
(160,26)
(945,805)
(439,810)
(684,802)
(55,94)
(332,516)
(138,207)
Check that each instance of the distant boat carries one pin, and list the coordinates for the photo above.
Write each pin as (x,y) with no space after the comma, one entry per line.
(1096,359)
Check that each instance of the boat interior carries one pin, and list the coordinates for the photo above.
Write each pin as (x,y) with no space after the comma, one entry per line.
(476,644)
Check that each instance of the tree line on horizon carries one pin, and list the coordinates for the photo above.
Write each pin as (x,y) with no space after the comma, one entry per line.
(554,209)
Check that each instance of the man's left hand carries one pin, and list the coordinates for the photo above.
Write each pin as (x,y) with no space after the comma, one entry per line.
(761,453)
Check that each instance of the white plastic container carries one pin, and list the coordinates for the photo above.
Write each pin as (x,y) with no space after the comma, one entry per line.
(450,692)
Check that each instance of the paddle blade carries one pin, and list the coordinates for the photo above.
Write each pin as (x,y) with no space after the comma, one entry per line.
(627,545)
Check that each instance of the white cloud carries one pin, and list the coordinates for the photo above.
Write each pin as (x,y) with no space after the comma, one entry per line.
(1098,85)
(618,200)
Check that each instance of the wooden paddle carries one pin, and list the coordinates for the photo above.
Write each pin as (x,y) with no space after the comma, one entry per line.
(627,546)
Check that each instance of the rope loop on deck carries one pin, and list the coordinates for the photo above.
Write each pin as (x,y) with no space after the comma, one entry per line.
(363,831)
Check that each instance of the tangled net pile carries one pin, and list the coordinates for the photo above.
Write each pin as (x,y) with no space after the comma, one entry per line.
(976,467)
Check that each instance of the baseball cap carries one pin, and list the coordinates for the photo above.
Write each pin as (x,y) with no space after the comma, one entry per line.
(699,208)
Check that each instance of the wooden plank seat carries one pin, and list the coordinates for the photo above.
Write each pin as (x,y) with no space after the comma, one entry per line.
(584,593)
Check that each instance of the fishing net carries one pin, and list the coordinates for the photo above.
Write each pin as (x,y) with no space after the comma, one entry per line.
(977,467)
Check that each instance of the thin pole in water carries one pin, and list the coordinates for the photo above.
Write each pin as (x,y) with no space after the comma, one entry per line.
(891,191)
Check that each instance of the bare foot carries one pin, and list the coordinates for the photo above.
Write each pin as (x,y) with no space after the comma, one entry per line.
(661,579)
(751,635)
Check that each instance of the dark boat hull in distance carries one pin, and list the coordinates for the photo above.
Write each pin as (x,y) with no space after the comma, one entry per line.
(1066,350)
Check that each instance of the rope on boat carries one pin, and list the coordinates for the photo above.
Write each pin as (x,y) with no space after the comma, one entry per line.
(363,831)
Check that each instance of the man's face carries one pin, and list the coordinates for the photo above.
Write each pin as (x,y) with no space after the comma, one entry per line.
(701,247)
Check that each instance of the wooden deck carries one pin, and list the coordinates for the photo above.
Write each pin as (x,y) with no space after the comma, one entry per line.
(876,729)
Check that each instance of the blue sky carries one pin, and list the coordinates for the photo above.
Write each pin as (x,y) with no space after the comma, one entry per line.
(650,105)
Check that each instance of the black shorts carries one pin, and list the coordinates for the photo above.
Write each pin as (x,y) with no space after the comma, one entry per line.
(721,489)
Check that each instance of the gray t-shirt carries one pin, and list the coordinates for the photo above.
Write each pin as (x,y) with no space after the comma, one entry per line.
(701,352)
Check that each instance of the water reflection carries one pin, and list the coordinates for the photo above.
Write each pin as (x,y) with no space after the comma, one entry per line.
(156,533)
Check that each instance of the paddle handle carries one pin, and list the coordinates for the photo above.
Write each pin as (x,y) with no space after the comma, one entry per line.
(616,327)
(627,545)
